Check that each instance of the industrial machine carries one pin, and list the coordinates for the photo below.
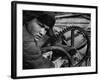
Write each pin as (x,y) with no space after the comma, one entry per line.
(68,48)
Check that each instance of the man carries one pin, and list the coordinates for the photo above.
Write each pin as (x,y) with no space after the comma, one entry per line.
(35,33)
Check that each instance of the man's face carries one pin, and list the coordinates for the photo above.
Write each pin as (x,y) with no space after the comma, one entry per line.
(37,29)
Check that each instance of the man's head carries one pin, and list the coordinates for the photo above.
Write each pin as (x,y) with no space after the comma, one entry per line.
(47,20)
(41,24)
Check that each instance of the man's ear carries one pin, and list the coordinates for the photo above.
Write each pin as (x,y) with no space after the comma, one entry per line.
(50,32)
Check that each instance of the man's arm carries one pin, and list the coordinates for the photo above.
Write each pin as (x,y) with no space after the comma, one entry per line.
(32,57)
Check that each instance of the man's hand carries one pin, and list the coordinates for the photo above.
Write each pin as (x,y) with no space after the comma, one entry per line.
(48,55)
(58,62)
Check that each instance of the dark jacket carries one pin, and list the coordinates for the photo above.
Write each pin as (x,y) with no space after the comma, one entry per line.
(32,57)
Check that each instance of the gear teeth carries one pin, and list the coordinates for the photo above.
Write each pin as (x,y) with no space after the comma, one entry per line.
(60,33)
(64,30)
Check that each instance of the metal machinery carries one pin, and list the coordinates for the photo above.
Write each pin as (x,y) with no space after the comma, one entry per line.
(65,51)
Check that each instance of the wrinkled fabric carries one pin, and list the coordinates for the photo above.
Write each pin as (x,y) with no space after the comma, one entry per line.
(32,57)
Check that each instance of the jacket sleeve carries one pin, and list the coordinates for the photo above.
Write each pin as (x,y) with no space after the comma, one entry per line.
(32,57)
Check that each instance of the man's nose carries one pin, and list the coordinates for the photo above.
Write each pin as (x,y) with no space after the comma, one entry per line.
(42,31)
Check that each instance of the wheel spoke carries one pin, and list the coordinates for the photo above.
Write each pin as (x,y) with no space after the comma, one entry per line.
(72,37)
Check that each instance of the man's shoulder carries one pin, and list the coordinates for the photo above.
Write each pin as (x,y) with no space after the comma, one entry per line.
(26,35)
